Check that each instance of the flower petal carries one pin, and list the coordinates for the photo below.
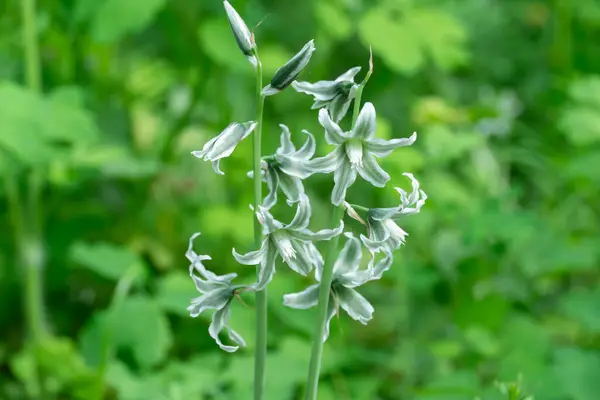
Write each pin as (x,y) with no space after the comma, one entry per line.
(308,148)
(377,269)
(329,163)
(382,148)
(348,75)
(301,262)
(253,257)
(350,256)
(324,234)
(339,106)
(290,186)
(307,298)
(321,90)
(357,307)
(343,178)
(286,146)
(215,299)
(219,321)
(366,123)
(333,133)
(228,140)
(267,268)
(269,223)
(370,171)
(272,178)
(331,311)
(303,213)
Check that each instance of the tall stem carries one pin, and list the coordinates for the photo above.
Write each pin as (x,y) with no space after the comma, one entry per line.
(260,356)
(312,384)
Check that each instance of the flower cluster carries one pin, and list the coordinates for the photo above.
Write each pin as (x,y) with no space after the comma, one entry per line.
(356,152)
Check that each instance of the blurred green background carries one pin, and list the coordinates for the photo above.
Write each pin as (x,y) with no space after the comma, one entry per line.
(499,276)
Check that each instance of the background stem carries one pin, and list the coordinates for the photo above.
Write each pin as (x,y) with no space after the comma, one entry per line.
(312,384)
(260,356)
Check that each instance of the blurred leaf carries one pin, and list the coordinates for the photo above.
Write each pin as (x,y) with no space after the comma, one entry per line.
(581,121)
(175,292)
(579,373)
(219,44)
(459,385)
(105,259)
(582,306)
(333,19)
(115,19)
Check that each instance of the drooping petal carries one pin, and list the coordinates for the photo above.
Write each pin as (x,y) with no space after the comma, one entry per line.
(411,203)
(348,75)
(303,213)
(215,299)
(272,178)
(253,257)
(269,223)
(332,308)
(349,258)
(307,298)
(331,162)
(219,321)
(366,123)
(267,268)
(315,255)
(379,214)
(323,234)
(286,146)
(354,279)
(357,307)
(343,178)
(321,90)
(370,171)
(228,140)
(338,107)
(290,186)
(190,254)
(333,133)
(378,268)
(382,148)
(374,246)
(319,104)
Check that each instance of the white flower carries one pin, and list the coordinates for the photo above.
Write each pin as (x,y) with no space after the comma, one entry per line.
(293,242)
(355,153)
(346,277)
(336,95)
(384,234)
(287,168)
(217,292)
(223,145)
(290,70)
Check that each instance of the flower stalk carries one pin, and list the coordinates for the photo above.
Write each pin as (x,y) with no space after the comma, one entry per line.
(312,384)
(260,356)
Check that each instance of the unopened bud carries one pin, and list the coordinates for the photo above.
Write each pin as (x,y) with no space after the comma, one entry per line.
(242,34)
(288,72)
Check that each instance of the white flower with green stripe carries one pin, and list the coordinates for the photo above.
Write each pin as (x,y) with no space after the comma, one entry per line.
(355,152)
(217,293)
(336,95)
(223,145)
(293,242)
(384,234)
(346,277)
(286,168)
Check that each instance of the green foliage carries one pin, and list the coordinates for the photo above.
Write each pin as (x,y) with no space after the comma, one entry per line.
(499,280)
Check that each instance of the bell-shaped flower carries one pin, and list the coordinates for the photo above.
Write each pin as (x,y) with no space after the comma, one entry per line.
(355,152)
(384,234)
(346,277)
(290,70)
(223,145)
(217,293)
(335,95)
(241,33)
(287,168)
(293,242)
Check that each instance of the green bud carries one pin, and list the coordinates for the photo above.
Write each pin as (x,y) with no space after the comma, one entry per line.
(288,72)
(242,34)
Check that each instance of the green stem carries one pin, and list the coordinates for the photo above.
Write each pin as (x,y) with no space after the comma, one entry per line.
(260,356)
(312,384)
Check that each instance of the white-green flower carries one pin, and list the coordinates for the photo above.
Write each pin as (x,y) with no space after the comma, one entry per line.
(287,168)
(223,145)
(335,95)
(290,70)
(293,242)
(384,234)
(217,293)
(346,277)
(355,152)
(241,33)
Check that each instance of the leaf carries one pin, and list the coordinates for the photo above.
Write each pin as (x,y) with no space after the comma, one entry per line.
(579,373)
(140,326)
(333,19)
(115,19)
(582,305)
(175,291)
(458,385)
(581,120)
(105,259)
(421,33)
